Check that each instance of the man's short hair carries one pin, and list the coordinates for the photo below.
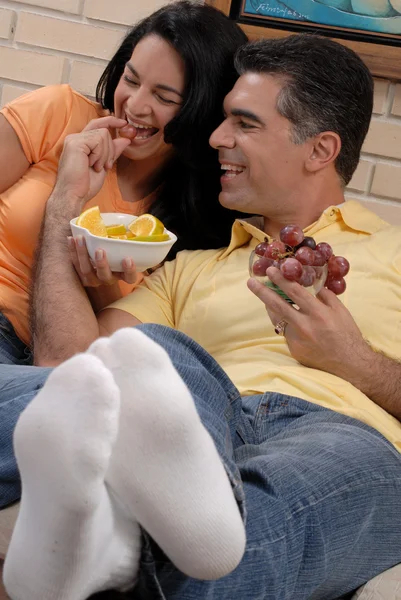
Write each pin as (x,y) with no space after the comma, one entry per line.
(326,87)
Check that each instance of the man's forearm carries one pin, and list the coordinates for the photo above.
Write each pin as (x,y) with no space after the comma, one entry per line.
(377,376)
(62,320)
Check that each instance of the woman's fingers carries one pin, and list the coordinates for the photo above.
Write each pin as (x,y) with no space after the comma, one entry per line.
(98,272)
(105,123)
(129,275)
(102,267)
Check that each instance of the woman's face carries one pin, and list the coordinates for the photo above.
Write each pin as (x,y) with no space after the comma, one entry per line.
(149,94)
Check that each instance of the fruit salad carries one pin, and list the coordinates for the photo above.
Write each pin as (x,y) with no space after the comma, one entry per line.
(146,228)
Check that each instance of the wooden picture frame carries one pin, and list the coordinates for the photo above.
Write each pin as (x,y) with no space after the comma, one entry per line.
(382,57)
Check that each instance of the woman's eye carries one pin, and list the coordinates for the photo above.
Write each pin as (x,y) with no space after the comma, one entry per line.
(165,100)
(130,81)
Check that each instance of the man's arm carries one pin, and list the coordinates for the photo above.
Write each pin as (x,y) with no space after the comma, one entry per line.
(323,335)
(62,319)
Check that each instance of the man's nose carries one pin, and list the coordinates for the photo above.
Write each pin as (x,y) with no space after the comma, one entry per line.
(222,137)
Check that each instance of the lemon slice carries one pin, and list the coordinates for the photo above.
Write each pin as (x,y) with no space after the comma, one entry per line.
(116,230)
(92,221)
(161,237)
(146,225)
(118,237)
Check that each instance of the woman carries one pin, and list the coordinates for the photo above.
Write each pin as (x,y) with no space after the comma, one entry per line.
(168,169)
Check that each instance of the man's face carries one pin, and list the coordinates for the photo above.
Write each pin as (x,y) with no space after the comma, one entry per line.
(254,141)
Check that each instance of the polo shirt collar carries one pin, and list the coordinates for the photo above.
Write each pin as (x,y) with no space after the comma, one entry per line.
(353,214)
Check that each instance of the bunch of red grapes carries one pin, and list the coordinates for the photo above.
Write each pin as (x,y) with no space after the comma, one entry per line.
(299,257)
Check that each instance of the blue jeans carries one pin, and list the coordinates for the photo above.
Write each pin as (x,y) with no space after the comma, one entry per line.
(19,383)
(320,491)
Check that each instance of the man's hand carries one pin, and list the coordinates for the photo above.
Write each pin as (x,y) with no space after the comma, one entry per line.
(322,334)
(86,158)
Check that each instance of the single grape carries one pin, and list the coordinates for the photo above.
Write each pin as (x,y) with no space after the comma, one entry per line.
(319,259)
(308,276)
(336,284)
(259,267)
(275,249)
(292,235)
(305,255)
(291,269)
(261,248)
(307,241)
(325,249)
(338,266)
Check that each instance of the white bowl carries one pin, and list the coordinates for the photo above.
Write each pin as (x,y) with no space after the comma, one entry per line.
(144,254)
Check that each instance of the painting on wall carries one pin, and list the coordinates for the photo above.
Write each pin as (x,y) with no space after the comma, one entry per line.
(380,18)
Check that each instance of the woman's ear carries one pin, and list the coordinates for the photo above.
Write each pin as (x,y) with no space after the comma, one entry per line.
(324,150)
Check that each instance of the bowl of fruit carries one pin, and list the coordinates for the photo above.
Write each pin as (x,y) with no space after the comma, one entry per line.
(300,259)
(144,239)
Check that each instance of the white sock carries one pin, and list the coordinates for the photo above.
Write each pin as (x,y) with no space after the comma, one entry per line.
(70,539)
(165,468)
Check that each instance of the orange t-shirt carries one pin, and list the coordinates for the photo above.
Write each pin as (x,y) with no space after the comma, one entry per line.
(42,119)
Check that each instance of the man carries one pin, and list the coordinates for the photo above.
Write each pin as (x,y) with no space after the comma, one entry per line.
(308,436)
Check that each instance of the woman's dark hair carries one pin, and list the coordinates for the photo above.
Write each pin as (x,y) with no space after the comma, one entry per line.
(206,40)
(326,87)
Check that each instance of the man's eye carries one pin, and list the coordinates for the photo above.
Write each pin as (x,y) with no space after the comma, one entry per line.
(246,125)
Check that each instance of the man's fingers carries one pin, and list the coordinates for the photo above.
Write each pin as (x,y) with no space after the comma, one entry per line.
(105,123)
(277,307)
(298,294)
(329,298)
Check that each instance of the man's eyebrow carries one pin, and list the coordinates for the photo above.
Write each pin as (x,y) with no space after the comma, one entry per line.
(247,114)
(159,86)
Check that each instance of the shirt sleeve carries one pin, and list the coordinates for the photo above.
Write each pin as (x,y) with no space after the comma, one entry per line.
(39,119)
(153,300)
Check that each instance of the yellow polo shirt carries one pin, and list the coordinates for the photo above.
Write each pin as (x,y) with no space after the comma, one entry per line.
(204,294)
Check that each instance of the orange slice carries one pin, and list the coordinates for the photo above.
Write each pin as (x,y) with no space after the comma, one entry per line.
(161,237)
(146,225)
(91,220)
(116,230)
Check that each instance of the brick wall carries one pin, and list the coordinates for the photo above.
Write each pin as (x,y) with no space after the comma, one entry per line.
(69,41)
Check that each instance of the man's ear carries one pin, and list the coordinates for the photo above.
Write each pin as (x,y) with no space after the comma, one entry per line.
(324,149)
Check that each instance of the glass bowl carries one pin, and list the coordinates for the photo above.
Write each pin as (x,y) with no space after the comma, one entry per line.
(317,277)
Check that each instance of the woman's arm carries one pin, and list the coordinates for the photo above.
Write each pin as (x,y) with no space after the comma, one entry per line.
(13,162)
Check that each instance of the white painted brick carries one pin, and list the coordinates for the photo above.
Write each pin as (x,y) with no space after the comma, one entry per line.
(121,11)
(6,21)
(30,67)
(69,6)
(68,36)
(84,76)
(382,87)
(10,92)
(387,181)
(384,139)
(359,181)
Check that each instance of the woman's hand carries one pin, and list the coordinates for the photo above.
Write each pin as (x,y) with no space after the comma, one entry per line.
(98,273)
(86,158)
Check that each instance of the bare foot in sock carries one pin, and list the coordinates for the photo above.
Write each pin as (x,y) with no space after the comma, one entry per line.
(165,468)
(69,540)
